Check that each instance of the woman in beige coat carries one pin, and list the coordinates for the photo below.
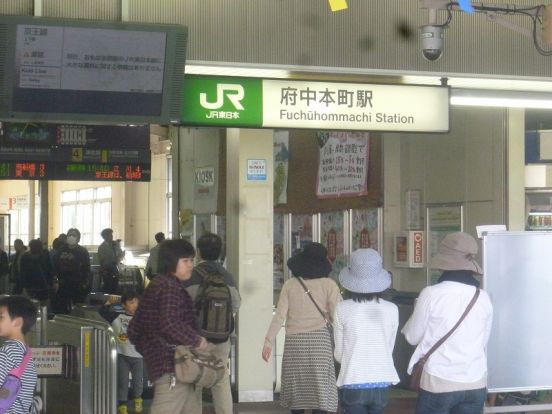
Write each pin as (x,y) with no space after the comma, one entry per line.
(308,374)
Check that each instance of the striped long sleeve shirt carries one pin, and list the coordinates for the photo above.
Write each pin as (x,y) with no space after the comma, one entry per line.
(11,356)
(365,334)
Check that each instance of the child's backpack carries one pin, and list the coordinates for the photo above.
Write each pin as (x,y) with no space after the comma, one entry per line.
(213,306)
(12,384)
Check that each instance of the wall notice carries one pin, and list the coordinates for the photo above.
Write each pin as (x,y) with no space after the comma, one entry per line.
(343,164)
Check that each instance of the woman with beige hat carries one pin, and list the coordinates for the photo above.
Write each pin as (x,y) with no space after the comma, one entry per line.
(454,378)
(307,303)
(365,328)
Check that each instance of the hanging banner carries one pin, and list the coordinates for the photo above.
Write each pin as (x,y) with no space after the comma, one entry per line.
(342,164)
(269,103)
(281,161)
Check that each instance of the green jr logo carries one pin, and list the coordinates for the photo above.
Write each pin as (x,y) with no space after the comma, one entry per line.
(233,92)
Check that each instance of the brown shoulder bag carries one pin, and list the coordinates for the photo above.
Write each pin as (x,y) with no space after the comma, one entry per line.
(418,367)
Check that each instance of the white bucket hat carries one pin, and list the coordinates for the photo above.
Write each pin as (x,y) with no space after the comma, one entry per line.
(366,273)
(456,252)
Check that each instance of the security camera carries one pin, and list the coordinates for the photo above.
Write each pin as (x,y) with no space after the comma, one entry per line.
(432,42)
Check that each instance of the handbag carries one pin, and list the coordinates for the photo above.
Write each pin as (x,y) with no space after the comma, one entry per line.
(12,384)
(418,367)
(329,325)
(201,368)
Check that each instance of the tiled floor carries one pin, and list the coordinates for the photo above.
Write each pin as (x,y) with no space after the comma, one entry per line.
(401,402)
(396,406)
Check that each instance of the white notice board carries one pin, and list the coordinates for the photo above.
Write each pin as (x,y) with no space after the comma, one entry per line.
(518,278)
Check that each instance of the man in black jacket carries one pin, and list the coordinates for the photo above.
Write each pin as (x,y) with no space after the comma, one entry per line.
(72,263)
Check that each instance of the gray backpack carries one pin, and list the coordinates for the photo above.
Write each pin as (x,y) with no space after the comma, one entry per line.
(213,306)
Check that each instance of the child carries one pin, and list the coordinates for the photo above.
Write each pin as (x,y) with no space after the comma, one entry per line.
(128,359)
(17,316)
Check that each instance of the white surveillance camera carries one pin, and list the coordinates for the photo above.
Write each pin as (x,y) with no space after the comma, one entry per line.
(432,42)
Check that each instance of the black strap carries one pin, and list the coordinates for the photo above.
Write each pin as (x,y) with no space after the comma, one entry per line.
(307,291)
(449,333)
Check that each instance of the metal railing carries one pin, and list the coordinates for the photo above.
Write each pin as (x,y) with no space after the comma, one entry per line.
(93,387)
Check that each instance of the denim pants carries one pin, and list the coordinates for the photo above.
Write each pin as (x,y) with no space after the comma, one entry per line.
(456,402)
(363,401)
(126,364)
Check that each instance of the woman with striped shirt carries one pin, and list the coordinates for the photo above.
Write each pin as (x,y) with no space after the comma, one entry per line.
(365,328)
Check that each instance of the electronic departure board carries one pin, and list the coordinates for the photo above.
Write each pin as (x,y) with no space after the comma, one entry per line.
(12,170)
(38,151)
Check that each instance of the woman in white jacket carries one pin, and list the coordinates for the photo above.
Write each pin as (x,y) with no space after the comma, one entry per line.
(454,379)
(365,328)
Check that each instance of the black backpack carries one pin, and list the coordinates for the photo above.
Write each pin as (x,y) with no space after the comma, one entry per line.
(213,306)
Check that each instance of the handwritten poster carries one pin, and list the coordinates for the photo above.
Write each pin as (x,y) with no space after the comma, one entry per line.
(343,164)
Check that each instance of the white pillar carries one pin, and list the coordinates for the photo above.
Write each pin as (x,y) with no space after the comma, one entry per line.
(515,169)
(249,228)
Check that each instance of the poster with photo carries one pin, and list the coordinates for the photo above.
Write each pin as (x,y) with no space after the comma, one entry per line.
(278,254)
(281,162)
(365,229)
(301,231)
(332,236)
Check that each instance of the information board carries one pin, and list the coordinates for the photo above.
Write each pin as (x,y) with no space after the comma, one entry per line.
(74,152)
(517,269)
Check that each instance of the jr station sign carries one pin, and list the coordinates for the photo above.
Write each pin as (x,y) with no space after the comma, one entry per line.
(270,103)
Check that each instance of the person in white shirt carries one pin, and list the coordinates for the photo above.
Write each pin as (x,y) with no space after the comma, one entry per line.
(365,328)
(455,375)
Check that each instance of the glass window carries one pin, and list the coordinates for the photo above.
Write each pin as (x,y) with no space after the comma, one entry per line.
(103,192)
(86,194)
(68,196)
(20,222)
(90,212)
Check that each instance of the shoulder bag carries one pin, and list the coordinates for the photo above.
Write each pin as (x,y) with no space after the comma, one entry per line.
(193,366)
(12,384)
(418,367)
(329,326)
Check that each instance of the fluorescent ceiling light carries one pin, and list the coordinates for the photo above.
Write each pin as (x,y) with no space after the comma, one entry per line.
(230,70)
(536,85)
(500,98)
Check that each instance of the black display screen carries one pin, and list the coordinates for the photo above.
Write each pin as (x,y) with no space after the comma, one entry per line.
(74,152)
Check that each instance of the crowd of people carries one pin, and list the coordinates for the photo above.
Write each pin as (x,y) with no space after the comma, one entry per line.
(59,277)
(450,326)
(62,276)
(339,339)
